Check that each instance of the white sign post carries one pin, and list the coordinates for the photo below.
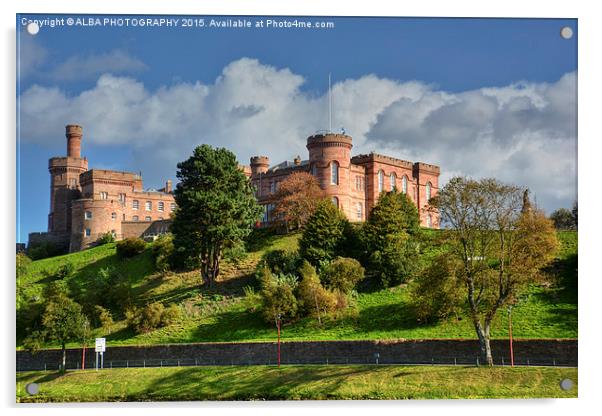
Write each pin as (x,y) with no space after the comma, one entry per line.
(101,346)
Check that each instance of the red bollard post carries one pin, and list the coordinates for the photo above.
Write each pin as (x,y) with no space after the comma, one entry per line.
(510,334)
(278,324)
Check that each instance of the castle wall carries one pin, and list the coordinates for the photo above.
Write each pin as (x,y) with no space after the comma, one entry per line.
(64,188)
(425,174)
(91,218)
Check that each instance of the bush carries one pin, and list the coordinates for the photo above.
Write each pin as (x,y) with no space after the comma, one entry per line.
(390,238)
(252,299)
(130,247)
(102,318)
(23,263)
(342,274)
(106,238)
(170,315)
(323,236)
(44,250)
(313,299)
(163,249)
(65,271)
(278,299)
(280,262)
(152,316)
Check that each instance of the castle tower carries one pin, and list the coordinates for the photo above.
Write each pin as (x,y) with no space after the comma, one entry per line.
(330,163)
(64,181)
(259,164)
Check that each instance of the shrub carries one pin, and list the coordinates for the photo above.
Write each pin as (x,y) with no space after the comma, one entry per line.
(163,249)
(170,315)
(44,250)
(278,299)
(342,274)
(390,236)
(323,236)
(64,271)
(102,318)
(130,247)
(23,263)
(106,238)
(313,299)
(236,253)
(252,299)
(280,262)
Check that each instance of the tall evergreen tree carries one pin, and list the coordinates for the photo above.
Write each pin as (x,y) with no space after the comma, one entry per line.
(216,209)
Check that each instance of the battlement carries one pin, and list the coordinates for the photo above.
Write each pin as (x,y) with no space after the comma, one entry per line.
(329,139)
(112,175)
(67,162)
(260,160)
(425,167)
(375,157)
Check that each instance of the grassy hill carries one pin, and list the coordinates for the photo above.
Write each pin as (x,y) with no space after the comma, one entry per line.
(221,314)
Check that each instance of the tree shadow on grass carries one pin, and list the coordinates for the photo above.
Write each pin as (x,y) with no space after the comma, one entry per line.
(253,383)
(388,317)
(238,325)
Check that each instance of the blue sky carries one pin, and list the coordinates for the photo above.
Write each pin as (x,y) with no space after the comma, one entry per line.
(481,97)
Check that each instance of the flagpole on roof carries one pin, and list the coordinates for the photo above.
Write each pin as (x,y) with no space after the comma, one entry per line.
(329,106)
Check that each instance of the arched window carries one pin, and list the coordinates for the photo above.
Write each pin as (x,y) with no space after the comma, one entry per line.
(335,201)
(404,184)
(334,173)
(428,191)
(393,179)
(360,213)
(381,180)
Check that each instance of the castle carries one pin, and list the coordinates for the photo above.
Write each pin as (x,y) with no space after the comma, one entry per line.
(87,203)
(352,183)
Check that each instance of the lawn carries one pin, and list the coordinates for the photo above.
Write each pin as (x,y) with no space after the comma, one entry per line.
(335,382)
(220,314)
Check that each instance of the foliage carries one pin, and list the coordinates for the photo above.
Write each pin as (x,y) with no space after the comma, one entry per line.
(297,199)
(152,316)
(436,292)
(313,298)
(103,318)
(342,274)
(323,235)
(390,238)
(23,262)
(575,214)
(252,299)
(278,298)
(216,209)
(163,248)
(130,247)
(106,238)
(280,261)
(498,243)
(44,250)
(171,315)
(564,219)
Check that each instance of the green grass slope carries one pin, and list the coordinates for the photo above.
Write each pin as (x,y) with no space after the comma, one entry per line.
(220,314)
(297,383)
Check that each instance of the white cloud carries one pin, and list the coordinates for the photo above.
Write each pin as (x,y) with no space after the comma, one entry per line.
(83,67)
(523,133)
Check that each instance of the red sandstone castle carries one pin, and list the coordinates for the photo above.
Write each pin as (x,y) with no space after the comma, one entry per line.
(86,204)
(352,183)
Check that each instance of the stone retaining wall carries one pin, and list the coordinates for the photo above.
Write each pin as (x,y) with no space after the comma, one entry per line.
(526,352)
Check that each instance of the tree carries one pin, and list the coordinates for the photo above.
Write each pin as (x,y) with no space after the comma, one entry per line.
(62,322)
(574,212)
(323,234)
(314,299)
(497,246)
(297,199)
(563,219)
(216,209)
(342,274)
(278,296)
(389,237)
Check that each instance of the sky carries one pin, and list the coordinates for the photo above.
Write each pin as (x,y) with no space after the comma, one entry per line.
(478,97)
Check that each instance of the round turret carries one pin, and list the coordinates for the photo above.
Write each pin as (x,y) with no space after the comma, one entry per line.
(74,140)
(259,164)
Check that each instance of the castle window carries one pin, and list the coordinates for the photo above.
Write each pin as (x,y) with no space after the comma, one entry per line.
(88,215)
(360,214)
(265,213)
(147,219)
(148,205)
(113,215)
(173,206)
(122,198)
(88,232)
(428,191)
(72,183)
(269,212)
(123,217)
(160,206)
(273,186)
(335,201)
(429,221)
(381,180)
(393,180)
(135,204)
(404,184)
(314,170)
(104,195)
(135,218)
(334,173)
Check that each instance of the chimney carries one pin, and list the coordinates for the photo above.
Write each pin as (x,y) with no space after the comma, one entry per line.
(297,160)
(168,186)
(74,140)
